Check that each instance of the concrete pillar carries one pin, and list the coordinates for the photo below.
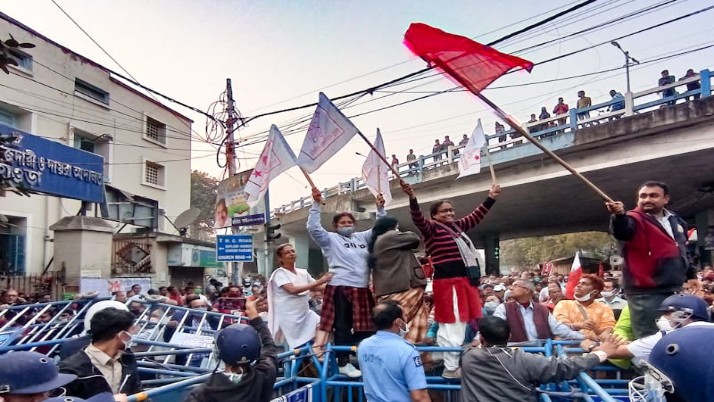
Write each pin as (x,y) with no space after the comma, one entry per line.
(629,104)
(301,243)
(493,253)
(82,243)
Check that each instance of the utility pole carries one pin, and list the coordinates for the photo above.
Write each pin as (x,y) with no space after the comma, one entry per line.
(236,268)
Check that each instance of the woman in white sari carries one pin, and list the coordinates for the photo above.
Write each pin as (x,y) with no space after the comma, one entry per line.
(290,317)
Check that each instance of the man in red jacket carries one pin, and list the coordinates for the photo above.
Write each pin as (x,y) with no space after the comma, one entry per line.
(653,242)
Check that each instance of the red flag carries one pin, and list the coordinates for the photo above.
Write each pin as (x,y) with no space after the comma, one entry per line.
(601,270)
(471,64)
(576,271)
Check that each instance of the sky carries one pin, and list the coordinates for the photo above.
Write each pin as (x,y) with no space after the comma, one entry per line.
(281,54)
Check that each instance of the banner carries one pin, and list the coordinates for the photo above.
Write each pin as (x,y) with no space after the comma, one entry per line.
(232,207)
(376,173)
(470,160)
(276,158)
(329,131)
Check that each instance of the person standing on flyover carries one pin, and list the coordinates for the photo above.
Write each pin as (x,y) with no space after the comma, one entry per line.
(456,269)
(347,302)
(653,243)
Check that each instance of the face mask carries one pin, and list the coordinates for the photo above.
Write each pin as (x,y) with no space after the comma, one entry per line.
(128,343)
(608,294)
(403,331)
(584,298)
(491,306)
(346,231)
(664,325)
(235,377)
(202,308)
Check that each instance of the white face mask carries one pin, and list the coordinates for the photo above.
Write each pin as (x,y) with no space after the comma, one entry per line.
(584,298)
(608,294)
(491,306)
(664,325)
(346,231)
(128,343)
(235,377)
(403,331)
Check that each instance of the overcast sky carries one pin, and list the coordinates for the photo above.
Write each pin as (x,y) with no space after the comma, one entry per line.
(280,54)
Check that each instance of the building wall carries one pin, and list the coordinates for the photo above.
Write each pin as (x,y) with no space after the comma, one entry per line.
(44,101)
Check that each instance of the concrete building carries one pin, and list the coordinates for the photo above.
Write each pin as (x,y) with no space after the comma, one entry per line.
(60,95)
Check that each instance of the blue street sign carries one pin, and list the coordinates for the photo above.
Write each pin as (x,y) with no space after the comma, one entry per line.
(49,167)
(237,248)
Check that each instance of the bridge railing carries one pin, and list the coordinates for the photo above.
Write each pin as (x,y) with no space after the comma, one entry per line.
(555,126)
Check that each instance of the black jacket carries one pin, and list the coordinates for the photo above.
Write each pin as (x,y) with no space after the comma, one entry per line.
(90,380)
(256,385)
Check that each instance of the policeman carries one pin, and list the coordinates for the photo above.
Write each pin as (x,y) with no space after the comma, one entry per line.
(391,367)
(250,369)
(29,377)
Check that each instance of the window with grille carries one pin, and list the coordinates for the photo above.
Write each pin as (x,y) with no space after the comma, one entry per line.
(24,60)
(154,174)
(155,130)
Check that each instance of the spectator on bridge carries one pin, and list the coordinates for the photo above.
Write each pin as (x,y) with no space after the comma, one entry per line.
(456,268)
(694,85)
(666,79)
(619,105)
(583,102)
(411,158)
(656,264)
(397,274)
(289,290)
(395,162)
(448,143)
(529,320)
(501,130)
(464,140)
(107,364)
(543,116)
(611,296)
(251,363)
(392,367)
(495,372)
(561,108)
(347,300)
(437,150)
(594,320)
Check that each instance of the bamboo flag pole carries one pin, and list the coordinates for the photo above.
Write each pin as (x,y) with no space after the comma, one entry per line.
(396,173)
(490,165)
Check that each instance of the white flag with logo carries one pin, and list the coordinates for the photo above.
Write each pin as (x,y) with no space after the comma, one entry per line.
(376,173)
(329,131)
(276,158)
(470,159)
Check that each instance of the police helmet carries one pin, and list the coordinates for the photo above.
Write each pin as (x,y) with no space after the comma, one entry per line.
(99,306)
(695,306)
(685,357)
(30,373)
(238,344)
(103,397)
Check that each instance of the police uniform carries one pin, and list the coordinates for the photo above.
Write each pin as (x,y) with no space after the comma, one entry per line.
(391,368)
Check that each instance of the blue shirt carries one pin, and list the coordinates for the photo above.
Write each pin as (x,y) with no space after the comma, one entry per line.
(391,368)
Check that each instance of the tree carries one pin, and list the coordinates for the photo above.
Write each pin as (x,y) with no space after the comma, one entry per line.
(204,192)
(528,252)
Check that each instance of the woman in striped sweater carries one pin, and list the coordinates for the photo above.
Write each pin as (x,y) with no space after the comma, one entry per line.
(456,301)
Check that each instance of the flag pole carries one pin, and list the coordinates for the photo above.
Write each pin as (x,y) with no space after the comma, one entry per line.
(307,176)
(490,165)
(396,174)
(519,129)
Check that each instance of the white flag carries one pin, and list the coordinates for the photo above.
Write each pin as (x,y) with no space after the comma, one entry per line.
(376,173)
(276,158)
(470,159)
(329,131)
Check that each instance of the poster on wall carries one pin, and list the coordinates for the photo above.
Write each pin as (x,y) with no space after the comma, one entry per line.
(232,207)
(105,287)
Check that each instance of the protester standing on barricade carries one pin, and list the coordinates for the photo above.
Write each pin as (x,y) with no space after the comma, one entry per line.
(392,367)
(107,364)
(347,301)
(494,372)
(653,245)
(288,299)
(251,366)
(456,269)
(397,274)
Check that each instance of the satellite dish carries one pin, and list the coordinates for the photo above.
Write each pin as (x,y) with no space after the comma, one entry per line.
(186,218)
(616,260)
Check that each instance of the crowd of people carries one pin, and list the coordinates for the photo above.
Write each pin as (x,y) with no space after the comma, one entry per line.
(542,120)
(379,296)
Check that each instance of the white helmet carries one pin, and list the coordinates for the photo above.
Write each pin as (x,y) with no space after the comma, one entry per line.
(99,306)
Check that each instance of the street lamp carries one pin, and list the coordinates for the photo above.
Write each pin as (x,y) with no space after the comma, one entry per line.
(627,62)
